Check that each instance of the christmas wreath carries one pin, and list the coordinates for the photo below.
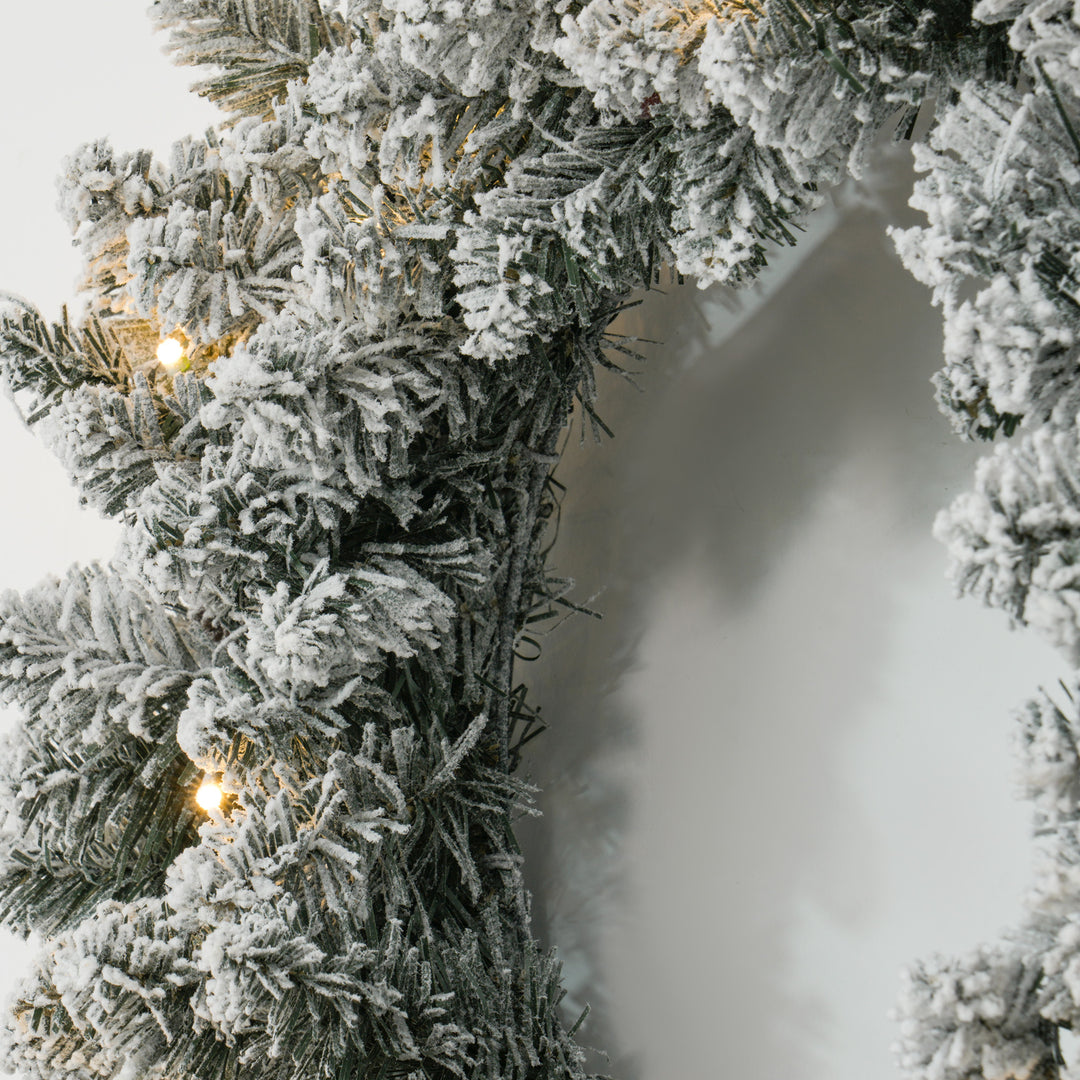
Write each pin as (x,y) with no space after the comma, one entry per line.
(262,804)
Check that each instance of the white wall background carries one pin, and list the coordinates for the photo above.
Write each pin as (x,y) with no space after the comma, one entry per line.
(778,769)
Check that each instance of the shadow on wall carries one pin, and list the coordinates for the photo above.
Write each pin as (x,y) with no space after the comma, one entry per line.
(735,456)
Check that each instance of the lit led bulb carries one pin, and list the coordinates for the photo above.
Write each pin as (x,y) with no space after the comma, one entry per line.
(209,796)
(170,353)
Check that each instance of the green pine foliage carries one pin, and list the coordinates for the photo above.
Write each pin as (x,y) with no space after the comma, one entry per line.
(389,276)
(97,789)
(260,45)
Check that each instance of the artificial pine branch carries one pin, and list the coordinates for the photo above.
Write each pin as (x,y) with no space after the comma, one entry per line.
(387,280)
(262,45)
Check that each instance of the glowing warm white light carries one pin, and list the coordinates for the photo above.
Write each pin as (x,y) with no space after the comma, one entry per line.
(209,796)
(170,352)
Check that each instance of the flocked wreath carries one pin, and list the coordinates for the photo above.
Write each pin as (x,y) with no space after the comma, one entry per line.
(261,807)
